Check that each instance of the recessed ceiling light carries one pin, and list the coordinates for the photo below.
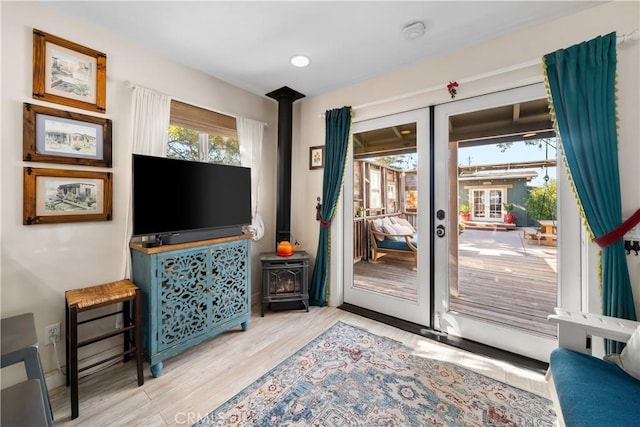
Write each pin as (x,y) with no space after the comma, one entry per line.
(300,61)
(405,132)
(529,135)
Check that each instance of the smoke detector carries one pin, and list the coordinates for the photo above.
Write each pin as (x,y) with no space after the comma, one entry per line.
(414,30)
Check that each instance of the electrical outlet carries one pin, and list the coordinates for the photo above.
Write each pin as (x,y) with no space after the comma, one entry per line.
(52,331)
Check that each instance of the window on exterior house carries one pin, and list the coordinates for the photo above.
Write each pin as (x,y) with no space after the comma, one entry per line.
(375,199)
(202,135)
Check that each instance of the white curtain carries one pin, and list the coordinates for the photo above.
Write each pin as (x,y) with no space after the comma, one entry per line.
(250,138)
(150,112)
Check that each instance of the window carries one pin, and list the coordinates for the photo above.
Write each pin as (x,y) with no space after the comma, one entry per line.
(202,135)
(375,199)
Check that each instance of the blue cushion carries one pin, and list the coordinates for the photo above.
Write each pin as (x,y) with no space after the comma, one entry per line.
(593,392)
(399,245)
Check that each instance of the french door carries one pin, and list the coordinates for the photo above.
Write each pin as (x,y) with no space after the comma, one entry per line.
(482,248)
(486,204)
(373,191)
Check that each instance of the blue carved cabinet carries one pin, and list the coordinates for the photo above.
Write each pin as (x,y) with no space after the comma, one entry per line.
(192,292)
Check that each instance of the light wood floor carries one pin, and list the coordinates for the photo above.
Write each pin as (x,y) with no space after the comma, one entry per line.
(195,382)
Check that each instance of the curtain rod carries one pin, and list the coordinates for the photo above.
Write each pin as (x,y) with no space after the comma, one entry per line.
(629,37)
(633,36)
(132,85)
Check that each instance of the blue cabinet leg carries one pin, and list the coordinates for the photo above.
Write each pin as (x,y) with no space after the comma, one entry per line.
(245,325)
(156,369)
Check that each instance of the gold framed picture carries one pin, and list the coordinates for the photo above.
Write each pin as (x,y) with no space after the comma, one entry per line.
(56,136)
(67,73)
(53,196)
(316,157)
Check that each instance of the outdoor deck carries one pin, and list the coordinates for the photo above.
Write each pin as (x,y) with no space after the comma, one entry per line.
(501,278)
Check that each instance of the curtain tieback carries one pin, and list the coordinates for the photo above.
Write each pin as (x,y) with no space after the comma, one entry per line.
(616,234)
(325,224)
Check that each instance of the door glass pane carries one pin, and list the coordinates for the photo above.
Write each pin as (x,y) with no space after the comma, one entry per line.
(385,206)
(495,205)
(503,271)
(478,204)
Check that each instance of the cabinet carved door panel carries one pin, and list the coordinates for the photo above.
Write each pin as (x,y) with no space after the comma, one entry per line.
(229,292)
(183,281)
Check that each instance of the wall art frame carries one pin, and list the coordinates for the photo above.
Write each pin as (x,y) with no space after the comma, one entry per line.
(55,136)
(54,196)
(67,73)
(316,157)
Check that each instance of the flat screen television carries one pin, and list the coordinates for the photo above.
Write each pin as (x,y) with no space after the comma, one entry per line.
(180,201)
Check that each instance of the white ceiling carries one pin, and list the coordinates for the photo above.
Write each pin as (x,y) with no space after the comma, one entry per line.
(248,44)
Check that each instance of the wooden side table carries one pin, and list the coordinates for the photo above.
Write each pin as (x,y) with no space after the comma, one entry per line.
(19,343)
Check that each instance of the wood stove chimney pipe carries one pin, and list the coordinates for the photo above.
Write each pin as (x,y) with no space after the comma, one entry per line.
(285,97)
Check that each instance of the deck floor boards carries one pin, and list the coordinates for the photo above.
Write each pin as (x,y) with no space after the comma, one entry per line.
(514,285)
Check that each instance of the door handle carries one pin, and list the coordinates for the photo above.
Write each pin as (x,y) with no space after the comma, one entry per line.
(440,231)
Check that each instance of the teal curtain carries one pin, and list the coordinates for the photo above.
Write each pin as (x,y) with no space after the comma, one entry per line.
(337,129)
(581,81)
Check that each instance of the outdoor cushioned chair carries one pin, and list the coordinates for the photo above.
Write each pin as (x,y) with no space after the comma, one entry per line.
(386,237)
(589,391)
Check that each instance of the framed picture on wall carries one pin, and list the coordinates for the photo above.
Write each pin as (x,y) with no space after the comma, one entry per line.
(316,157)
(67,73)
(53,196)
(56,136)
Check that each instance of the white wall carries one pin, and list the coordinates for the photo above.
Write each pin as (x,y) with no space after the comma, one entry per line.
(475,69)
(40,262)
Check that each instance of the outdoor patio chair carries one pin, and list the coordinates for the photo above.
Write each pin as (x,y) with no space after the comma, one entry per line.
(386,237)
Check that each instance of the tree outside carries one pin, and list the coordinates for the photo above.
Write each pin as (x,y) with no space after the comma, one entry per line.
(541,203)
(184,144)
(403,162)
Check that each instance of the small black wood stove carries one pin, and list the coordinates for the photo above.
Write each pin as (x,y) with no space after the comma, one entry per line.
(285,279)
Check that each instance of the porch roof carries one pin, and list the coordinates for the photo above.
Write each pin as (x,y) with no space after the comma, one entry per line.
(528,175)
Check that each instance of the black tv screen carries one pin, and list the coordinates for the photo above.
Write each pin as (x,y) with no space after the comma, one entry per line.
(193,199)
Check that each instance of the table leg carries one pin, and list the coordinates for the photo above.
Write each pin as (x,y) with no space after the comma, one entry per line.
(33,367)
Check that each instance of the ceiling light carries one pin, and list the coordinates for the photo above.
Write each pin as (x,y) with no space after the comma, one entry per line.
(414,30)
(405,132)
(529,135)
(300,61)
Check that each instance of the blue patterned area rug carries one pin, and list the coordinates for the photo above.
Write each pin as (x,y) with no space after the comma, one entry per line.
(350,377)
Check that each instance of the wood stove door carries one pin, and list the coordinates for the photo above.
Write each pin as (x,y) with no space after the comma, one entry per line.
(387,176)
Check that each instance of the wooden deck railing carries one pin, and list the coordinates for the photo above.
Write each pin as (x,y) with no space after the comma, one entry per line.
(360,247)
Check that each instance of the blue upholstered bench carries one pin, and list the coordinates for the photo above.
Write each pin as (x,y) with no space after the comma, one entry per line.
(398,245)
(593,392)
(588,391)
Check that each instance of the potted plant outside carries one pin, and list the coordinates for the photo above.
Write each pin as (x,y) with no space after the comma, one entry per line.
(509,218)
(465,211)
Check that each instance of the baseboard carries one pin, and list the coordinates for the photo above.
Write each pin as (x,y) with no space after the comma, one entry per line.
(55,378)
